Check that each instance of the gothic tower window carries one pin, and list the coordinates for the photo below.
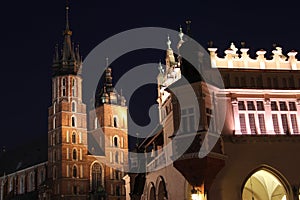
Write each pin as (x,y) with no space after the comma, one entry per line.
(54,173)
(63,88)
(73,121)
(117,157)
(118,190)
(115,122)
(116,142)
(73,87)
(96,177)
(54,107)
(54,122)
(74,154)
(74,171)
(73,106)
(74,138)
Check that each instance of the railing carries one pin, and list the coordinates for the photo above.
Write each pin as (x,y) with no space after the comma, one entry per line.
(157,163)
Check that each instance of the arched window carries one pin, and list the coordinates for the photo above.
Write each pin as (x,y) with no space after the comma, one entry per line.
(63,87)
(22,186)
(74,154)
(54,172)
(74,138)
(116,142)
(152,192)
(54,107)
(54,122)
(73,121)
(73,87)
(117,157)
(73,106)
(115,122)
(162,190)
(118,190)
(96,177)
(54,156)
(263,185)
(74,171)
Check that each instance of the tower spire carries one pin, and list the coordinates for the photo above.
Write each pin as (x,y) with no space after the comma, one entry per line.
(69,61)
(67,15)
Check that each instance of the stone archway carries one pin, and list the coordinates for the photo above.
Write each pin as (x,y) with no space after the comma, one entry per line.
(264,184)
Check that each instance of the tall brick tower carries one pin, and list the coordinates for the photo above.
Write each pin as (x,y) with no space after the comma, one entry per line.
(67,129)
(111,132)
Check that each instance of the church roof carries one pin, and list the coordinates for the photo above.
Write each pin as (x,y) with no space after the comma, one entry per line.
(24,156)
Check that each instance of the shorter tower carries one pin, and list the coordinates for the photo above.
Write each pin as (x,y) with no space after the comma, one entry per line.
(108,136)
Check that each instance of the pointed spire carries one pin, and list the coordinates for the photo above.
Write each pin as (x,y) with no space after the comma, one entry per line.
(68,61)
(68,52)
(67,30)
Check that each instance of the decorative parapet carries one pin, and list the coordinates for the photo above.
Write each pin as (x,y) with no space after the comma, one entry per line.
(242,60)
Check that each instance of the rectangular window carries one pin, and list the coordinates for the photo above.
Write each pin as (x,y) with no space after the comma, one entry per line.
(252,123)
(250,105)
(274,106)
(282,106)
(294,123)
(187,120)
(292,106)
(260,105)
(262,126)
(241,105)
(285,123)
(243,123)
(275,123)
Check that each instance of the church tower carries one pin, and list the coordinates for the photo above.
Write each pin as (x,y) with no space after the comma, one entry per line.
(67,128)
(111,132)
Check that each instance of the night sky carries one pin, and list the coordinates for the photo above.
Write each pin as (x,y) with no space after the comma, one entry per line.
(30,29)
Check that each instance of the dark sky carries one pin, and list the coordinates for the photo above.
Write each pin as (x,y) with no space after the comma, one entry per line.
(30,29)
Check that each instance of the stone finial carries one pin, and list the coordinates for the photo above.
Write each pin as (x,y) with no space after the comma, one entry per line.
(261,52)
(169,42)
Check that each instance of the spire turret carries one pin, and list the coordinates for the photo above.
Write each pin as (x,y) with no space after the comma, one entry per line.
(69,61)
(108,94)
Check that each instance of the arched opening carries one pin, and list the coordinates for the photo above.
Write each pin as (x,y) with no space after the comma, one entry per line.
(54,123)
(115,122)
(73,87)
(116,142)
(152,192)
(74,171)
(97,190)
(264,185)
(162,190)
(73,106)
(74,138)
(74,154)
(73,121)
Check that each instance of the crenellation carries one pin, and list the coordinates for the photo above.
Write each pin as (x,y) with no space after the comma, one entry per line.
(232,59)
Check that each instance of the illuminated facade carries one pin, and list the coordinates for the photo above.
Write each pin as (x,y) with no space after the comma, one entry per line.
(76,167)
(255,157)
